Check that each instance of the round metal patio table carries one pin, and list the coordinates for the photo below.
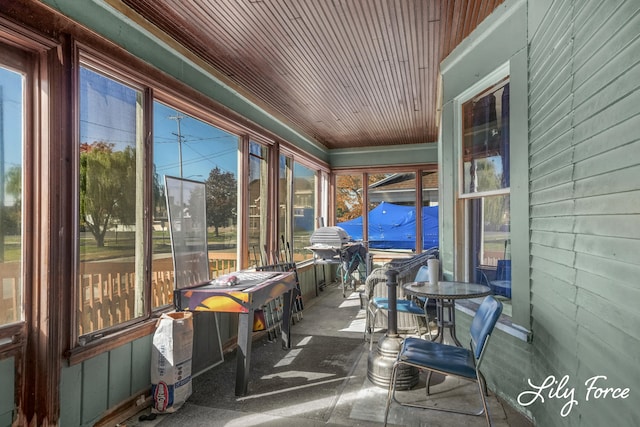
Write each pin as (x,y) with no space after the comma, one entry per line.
(445,294)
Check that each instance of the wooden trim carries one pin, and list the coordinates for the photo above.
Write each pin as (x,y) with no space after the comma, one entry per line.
(125,410)
(46,254)
(427,167)
(418,170)
(37,341)
(113,340)
(332,200)
(165,86)
(243,204)
(134,404)
(302,157)
(273,213)
(18,36)
(365,206)
(148,198)
(185,98)
(16,333)
(419,205)
(224,79)
(74,185)
(197,106)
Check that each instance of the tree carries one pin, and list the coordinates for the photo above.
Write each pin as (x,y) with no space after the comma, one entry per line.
(107,188)
(494,207)
(13,180)
(11,210)
(221,190)
(348,197)
(159,197)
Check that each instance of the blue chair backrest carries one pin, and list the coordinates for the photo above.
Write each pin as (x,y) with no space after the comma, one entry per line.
(503,270)
(483,323)
(422,275)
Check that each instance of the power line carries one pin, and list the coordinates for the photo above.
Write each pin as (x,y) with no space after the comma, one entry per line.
(177,118)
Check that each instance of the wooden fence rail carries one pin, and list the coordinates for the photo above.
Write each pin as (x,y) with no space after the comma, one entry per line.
(106,295)
(10,295)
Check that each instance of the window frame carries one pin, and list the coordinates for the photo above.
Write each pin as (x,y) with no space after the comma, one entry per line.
(498,78)
(316,200)
(517,323)
(323,177)
(18,60)
(493,79)
(418,170)
(88,58)
(285,228)
(170,92)
(462,233)
(196,112)
(266,189)
(23,56)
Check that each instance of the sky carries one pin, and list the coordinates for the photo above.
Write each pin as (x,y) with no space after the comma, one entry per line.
(108,113)
(11,125)
(203,146)
(111,118)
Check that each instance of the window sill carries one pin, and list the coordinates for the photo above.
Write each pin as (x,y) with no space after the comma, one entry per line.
(12,338)
(505,324)
(307,263)
(111,341)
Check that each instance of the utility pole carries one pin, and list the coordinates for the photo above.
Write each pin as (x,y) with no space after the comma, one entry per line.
(177,118)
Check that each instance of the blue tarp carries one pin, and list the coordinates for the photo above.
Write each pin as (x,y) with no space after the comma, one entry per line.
(394,227)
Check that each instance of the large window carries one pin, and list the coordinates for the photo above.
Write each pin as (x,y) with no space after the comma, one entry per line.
(391,217)
(258,191)
(285,207)
(304,209)
(186,147)
(11,174)
(125,266)
(392,211)
(485,141)
(485,186)
(349,198)
(111,204)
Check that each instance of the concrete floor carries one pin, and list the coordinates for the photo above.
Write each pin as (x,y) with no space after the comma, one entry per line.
(321,381)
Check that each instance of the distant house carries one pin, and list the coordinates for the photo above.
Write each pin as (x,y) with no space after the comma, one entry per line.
(400,188)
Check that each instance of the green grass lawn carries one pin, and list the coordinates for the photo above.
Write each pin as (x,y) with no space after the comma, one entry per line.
(124,245)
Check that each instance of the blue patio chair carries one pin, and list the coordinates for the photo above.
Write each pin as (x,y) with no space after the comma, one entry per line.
(403,306)
(450,360)
(501,285)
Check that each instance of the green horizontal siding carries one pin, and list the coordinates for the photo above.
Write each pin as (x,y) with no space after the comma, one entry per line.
(585,205)
(506,363)
(7,391)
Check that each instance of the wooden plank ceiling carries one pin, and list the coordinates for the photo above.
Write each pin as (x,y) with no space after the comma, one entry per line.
(348,73)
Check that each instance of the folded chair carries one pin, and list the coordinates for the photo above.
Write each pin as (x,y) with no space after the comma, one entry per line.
(450,360)
(403,306)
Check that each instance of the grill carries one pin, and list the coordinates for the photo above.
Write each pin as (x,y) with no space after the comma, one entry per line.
(332,245)
(327,243)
